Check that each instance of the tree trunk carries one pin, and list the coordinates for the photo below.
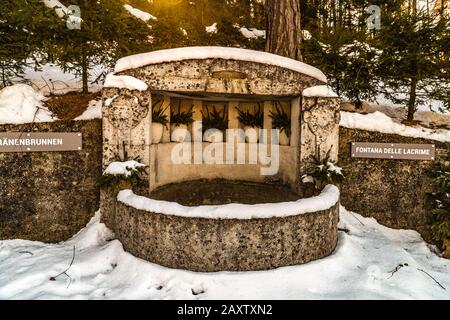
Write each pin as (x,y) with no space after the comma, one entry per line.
(414,7)
(84,71)
(3,75)
(412,99)
(283,28)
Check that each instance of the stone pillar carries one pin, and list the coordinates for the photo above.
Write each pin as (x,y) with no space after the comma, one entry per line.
(295,122)
(233,122)
(197,117)
(319,133)
(126,125)
(126,131)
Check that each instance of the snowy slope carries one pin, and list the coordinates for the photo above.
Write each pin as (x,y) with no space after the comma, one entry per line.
(380,122)
(359,268)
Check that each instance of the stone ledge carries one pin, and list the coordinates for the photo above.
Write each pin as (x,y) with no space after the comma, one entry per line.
(208,245)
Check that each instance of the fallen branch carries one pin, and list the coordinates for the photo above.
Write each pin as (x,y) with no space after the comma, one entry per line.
(65,271)
(344,230)
(356,218)
(440,285)
(397,268)
(27,252)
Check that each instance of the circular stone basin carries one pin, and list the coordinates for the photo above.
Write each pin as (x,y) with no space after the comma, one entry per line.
(175,229)
(217,192)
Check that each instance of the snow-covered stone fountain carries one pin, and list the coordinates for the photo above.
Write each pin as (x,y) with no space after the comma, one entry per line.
(221,231)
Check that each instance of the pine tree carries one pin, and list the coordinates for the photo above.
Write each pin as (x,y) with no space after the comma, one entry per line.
(107,33)
(415,57)
(349,61)
(183,23)
(24,25)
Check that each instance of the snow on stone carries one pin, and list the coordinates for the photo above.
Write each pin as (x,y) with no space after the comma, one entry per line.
(108,101)
(144,16)
(212,28)
(125,168)
(124,82)
(186,53)
(380,122)
(328,198)
(359,268)
(319,91)
(252,33)
(19,103)
(93,111)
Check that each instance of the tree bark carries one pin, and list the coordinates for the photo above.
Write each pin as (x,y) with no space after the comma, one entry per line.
(412,99)
(84,71)
(2,67)
(283,28)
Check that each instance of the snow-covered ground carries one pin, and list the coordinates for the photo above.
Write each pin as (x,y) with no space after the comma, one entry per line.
(362,267)
(380,122)
(93,111)
(20,103)
(51,79)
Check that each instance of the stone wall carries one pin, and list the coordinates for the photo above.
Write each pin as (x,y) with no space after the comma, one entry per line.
(391,191)
(203,244)
(164,171)
(223,76)
(49,196)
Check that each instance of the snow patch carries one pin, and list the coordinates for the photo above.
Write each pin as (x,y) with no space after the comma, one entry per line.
(189,53)
(306,34)
(62,11)
(252,33)
(380,122)
(124,82)
(212,28)
(125,168)
(19,103)
(142,15)
(320,91)
(108,101)
(328,198)
(93,111)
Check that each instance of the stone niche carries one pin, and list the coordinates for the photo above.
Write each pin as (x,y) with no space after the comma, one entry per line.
(204,79)
(184,81)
